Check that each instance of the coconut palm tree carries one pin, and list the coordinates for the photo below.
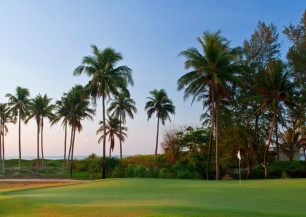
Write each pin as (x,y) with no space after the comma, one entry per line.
(273,88)
(160,104)
(62,108)
(18,104)
(5,118)
(209,78)
(121,106)
(79,111)
(47,112)
(113,129)
(106,79)
(35,110)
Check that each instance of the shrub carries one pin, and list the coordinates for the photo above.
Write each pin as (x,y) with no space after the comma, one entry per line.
(130,170)
(142,171)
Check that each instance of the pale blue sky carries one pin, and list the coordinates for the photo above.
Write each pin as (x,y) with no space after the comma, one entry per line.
(41,42)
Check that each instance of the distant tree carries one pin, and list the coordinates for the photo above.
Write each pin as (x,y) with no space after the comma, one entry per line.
(262,47)
(121,106)
(160,104)
(209,79)
(47,112)
(35,110)
(5,118)
(106,79)
(113,129)
(79,111)
(259,50)
(18,104)
(62,108)
(273,89)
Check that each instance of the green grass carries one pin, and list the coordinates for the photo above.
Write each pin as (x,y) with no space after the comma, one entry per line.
(160,197)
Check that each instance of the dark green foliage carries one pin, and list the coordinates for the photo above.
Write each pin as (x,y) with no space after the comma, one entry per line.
(288,169)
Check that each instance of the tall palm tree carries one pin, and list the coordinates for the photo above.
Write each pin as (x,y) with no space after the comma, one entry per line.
(113,129)
(18,105)
(160,104)
(5,118)
(106,79)
(209,78)
(35,110)
(273,88)
(47,112)
(62,108)
(79,111)
(121,106)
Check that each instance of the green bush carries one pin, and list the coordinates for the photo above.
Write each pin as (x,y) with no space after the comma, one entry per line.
(130,171)
(118,172)
(164,173)
(141,171)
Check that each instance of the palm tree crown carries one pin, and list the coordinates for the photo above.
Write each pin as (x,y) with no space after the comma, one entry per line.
(18,105)
(106,78)
(160,104)
(121,105)
(113,129)
(210,77)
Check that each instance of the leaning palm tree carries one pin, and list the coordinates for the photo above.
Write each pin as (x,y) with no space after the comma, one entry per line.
(18,104)
(121,106)
(47,112)
(160,104)
(273,88)
(5,118)
(35,110)
(209,78)
(106,79)
(113,129)
(79,111)
(62,108)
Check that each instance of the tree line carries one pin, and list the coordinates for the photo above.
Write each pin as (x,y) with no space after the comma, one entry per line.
(250,97)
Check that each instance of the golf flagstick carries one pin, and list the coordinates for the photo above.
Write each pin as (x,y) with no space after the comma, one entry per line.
(239,157)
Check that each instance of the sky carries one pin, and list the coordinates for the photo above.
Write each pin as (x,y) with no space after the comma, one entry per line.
(42,42)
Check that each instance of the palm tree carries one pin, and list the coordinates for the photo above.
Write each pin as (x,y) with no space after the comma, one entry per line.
(113,129)
(5,118)
(35,110)
(273,88)
(18,105)
(160,104)
(47,112)
(121,105)
(62,108)
(209,79)
(79,111)
(106,79)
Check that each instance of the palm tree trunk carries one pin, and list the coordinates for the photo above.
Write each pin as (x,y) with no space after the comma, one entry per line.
(38,130)
(42,143)
(70,148)
(72,145)
(19,133)
(104,138)
(157,137)
(276,139)
(268,144)
(110,151)
(65,144)
(217,139)
(212,126)
(120,137)
(3,155)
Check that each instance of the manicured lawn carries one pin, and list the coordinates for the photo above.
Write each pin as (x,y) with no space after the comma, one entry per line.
(158,197)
